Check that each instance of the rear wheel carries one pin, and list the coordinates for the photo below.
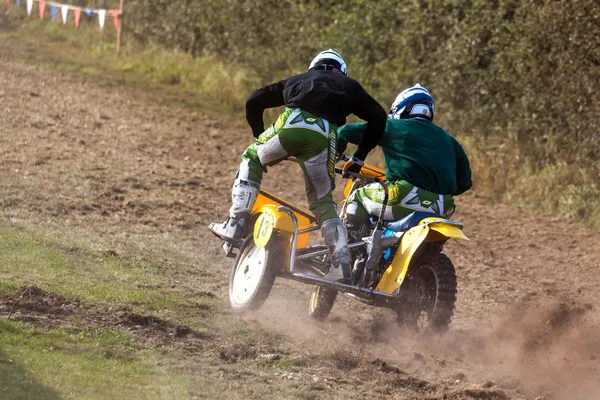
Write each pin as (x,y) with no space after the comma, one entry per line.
(321,302)
(428,294)
(253,274)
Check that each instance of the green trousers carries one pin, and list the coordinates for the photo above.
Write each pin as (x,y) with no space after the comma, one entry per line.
(308,138)
(403,199)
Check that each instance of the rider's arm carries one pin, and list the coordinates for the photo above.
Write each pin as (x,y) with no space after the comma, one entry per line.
(267,97)
(367,109)
(463,171)
(351,133)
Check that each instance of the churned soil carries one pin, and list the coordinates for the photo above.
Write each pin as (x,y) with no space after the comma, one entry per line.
(80,153)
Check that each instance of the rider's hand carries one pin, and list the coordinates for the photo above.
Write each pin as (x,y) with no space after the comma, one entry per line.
(353,165)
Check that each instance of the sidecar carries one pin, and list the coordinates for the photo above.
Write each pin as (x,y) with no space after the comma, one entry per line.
(278,246)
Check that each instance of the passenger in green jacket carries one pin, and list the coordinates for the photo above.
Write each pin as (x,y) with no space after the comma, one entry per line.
(425,166)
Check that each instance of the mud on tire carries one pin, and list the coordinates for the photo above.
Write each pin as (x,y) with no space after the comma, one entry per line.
(428,294)
(252,275)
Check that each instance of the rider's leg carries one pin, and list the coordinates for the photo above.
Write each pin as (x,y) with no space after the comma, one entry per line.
(314,148)
(266,151)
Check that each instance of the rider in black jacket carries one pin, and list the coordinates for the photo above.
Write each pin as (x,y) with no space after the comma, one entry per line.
(317,102)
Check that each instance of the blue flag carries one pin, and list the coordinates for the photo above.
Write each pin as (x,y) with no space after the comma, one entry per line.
(89,12)
(18,3)
(54,10)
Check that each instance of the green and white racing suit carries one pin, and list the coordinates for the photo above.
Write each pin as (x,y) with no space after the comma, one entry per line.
(308,138)
(425,168)
(403,199)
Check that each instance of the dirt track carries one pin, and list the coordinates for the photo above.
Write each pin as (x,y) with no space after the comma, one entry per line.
(116,164)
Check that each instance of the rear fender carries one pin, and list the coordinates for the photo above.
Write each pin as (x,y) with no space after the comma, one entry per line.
(394,276)
(430,230)
(443,229)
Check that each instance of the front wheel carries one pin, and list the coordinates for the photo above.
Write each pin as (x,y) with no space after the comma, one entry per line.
(252,275)
(428,294)
(321,302)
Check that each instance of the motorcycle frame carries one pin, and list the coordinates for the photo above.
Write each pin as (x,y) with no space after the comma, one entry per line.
(312,275)
(296,275)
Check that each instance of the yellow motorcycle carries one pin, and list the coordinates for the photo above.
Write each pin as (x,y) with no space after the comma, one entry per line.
(399,265)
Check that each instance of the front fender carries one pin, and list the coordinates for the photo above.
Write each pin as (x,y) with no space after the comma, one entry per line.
(393,276)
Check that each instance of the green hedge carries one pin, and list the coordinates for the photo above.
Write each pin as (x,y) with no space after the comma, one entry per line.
(522,70)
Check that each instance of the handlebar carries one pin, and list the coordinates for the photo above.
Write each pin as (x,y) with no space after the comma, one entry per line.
(368,179)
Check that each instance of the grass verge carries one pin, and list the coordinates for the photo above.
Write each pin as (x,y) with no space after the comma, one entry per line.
(72,271)
(105,364)
(502,175)
(168,76)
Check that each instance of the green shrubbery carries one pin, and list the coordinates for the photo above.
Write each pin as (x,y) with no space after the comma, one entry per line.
(518,77)
(522,70)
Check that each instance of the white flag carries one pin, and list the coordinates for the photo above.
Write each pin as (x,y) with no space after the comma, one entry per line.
(64,10)
(101,16)
(29,6)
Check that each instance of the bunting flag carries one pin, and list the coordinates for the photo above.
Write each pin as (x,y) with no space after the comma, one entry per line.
(101,17)
(77,11)
(64,10)
(115,14)
(77,15)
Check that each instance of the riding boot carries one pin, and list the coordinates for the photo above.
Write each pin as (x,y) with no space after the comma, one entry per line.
(243,196)
(336,239)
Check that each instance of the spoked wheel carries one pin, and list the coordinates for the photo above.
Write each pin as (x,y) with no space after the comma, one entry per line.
(252,275)
(428,294)
(321,302)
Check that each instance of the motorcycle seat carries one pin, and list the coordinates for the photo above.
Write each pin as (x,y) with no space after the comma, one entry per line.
(410,221)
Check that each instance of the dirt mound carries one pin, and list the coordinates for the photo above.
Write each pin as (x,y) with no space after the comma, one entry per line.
(35,300)
(41,308)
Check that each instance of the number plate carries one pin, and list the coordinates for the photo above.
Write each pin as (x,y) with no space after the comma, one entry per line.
(263,229)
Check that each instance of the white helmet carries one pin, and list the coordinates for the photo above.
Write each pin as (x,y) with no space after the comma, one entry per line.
(329,60)
(414,102)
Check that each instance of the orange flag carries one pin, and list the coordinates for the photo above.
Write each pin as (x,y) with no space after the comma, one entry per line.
(115,14)
(42,8)
(77,14)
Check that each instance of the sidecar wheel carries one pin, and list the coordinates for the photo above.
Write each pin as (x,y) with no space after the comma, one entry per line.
(321,302)
(252,275)
(428,294)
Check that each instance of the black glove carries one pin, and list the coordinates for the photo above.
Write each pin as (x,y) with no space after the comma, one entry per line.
(354,165)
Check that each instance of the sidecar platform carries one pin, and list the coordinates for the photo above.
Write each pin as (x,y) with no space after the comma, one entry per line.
(301,272)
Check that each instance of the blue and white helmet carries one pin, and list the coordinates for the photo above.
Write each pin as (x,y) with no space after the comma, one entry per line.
(329,60)
(414,102)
